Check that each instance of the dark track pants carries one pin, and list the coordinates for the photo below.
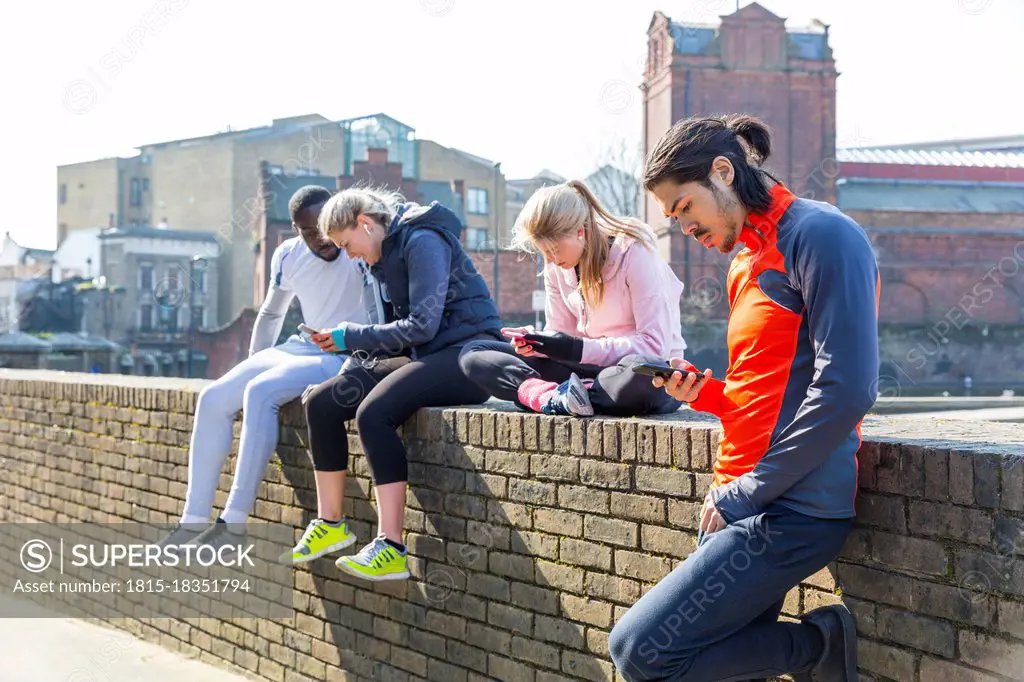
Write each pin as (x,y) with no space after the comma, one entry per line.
(617,390)
(381,398)
(715,617)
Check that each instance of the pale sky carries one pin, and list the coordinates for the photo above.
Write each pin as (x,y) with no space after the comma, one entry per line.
(532,83)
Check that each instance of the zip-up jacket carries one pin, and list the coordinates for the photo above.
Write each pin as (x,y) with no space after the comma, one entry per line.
(803,362)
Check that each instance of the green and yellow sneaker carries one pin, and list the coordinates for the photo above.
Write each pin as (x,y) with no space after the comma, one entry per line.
(377,561)
(320,538)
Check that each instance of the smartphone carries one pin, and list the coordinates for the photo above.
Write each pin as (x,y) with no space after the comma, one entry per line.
(303,327)
(662,371)
(517,336)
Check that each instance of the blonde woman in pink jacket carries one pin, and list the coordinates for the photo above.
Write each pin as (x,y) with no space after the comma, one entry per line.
(612,304)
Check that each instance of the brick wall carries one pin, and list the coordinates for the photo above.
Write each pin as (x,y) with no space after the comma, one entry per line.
(532,535)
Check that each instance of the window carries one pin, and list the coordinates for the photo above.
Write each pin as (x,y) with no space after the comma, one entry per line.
(62,193)
(146,318)
(168,318)
(135,194)
(145,184)
(200,279)
(198,317)
(477,203)
(476,239)
(146,276)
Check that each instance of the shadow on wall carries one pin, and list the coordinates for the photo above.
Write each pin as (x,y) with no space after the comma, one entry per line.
(473,558)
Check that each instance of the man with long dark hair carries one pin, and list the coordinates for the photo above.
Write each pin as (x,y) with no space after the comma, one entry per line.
(803,372)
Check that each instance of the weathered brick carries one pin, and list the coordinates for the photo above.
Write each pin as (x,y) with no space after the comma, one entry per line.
(427,546)
(555,467)
(947,521)
(390,631)
(612,588)
(934,670)
(535,544)
(919,632)
(992,653)
(883,512)
(546,433)
(897,551)
(684,514)
(612,531)
(510,618)
(535,652)
(1009,535)
(583,499)
(468,506)
(578,437)
(605,474)
(509,514)
(665,541)
(466,606)
(641,566)
(978,570)
(490,586)
(506,669)
(558,630)
(449,626)
(427,643)
(563,578)
(512,565)
(595,438)
(587,666)
(532,492)
(646,447)
(439,671)
(488,535)
(961,477)
(874,585)
(986,480)
(586,611)
(566,524)
(511,463)
(642,507)
(411,661)
(936,475)
(627,441)
(1013,482)
(489,639)
(488,485)
(467,556)
(894,664)
(1011,618)
(666,481)
(956,603)
(467,656)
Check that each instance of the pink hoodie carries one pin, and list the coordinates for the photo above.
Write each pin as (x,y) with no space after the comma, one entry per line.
(638,315)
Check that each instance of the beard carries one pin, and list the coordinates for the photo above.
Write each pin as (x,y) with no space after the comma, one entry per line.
(727,206)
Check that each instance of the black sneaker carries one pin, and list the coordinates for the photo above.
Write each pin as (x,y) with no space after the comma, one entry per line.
(182,534)
(839,661)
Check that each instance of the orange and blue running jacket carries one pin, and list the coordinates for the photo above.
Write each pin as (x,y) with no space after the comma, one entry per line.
(803,362)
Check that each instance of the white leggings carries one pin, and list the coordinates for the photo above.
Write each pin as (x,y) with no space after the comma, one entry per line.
(258,386)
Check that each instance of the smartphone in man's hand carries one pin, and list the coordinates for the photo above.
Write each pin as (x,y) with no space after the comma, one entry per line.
(665,372)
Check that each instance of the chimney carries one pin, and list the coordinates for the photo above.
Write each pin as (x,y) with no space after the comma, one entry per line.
(459,187)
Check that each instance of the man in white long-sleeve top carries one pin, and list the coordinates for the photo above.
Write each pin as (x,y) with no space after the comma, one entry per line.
(331,288)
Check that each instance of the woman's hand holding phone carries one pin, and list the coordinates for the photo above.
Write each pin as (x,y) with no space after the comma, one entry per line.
(515,336)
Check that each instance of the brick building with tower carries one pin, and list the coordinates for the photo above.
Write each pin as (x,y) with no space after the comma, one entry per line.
(946,217)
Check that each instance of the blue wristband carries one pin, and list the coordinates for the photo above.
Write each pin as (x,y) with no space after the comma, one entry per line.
(338,336)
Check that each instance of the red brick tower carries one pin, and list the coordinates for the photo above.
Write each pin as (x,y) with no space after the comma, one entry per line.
(750,63)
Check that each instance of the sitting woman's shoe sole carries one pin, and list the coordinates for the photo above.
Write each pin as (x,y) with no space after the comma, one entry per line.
(404,575)
(336,547)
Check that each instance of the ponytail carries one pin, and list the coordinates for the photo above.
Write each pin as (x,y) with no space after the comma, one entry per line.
(685,154)
(553,213)
(341,211)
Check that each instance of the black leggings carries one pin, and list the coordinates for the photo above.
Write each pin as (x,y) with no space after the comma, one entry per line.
(381,398)
(617,391)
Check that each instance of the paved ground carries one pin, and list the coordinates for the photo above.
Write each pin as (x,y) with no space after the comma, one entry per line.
(67,650)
